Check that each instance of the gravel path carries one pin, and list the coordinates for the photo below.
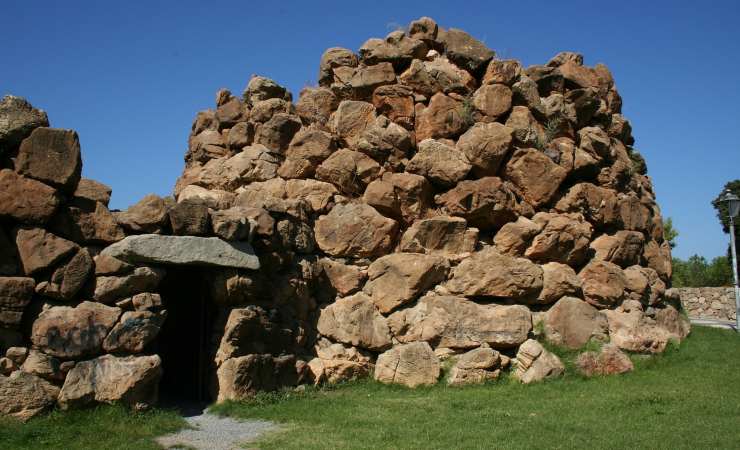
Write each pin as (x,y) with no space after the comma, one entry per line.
(211,432)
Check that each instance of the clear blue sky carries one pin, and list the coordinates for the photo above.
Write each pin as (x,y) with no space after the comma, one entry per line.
(129,76)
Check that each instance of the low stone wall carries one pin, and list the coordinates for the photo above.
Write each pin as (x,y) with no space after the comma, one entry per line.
(709,302)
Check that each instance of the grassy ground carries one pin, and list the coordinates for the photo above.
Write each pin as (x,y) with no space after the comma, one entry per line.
(684,399)
(687,398)
(102,428)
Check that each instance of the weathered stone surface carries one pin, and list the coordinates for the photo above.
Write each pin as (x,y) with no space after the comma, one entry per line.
(397,103)
(476,366)
(17,120)
(332,58)
(623,248)
(184,250)
(466,51)
(597,204)
(503,71)
(486,145)
(189,218)
(315,105)
(25,395)
(527,131)
(403,196)
(446,321)
(367,78)
(486,203)
(242,377)
(355,321)
(133,332)
(276,133)
(148,215)
(215,199)
(15,295)
(343,278)
(387,143)
(93,191)
(564,238)
(40,250)
(146,301)
(399,278)
(87,223)
(677,325)
(43,365)
(396,48)
(610,360)
(73,333)
(355,230)
(26,200)
(534,363)
(253,163)
(443,118)
(514,237)
(658,257)
(68,279)
(630,329)
(492,100)
(131,380)
(488,273)
(230,224)
(351,119)
(348,170)
(603,284)
(337,363)
(108,265)
(111,288)
(438,75)
(261,88)
(441,164)
(309,148)
(412,365)
(247,331)
(51,156)
(572,322)
(535,174)
(445,236)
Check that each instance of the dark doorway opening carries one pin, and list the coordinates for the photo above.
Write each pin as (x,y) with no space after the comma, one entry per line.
(183,343)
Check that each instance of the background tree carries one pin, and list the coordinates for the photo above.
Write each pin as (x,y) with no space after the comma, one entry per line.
(669,233)
(721,207)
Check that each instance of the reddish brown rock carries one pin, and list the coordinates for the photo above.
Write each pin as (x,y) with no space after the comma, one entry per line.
(466,51)
(261,88)
(355,321)
(442,235)
(396,48)
(337,363)
(658,257)
(490,274)
(51,156)
(536,175)
(315,105)
(610,360)
(355,230)
(68,280)
(87,223)
(603,284)
(485,203)
(438,75)
(18,119)
(15,295)
(572,323)
(348,170)
(623,248)
(26,200)
(527,131)
(332,58)
(514,237)
(367,78)
(564,238)
(26,396)
(351,119)
(397,103)
(597,204)
(492,100)
(345,279)
(93,191)
(40,250)
(133,332)
(476,366)
(440,163)
(534,363)
(443,118)
(108,289)
(559,281)
(399,278)
(486,145)
(189,218)
(503,71)
(402,196)
(630,329)
(148,215)
(412,365)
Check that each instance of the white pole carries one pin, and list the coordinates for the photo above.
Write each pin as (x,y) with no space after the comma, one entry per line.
(734,274)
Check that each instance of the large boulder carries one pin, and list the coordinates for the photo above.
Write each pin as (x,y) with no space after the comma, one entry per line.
(559,281)
(534,363)
(476,366)
(131,380)
(623,248)
(343,278)
(348,170)
(337,363)
(632,330)
(486,146)
(355,321)
(15,295)
(514,237)
(249,330)
(466,51)
(445,117)
(412,365)
(148,215)
(51,156)
(564,238)
(441,164)
(486,203)
(309,148)
(438,75)
(399,278)
(189,218)
(397,103)
(142,279)
(68,279)
(134,331)
(403,196)
(40,250)
(535,174)
(73,333)
(184,250)
(26,200)
(603,284)
(242,377)
(610,360)
(351,119)
(17,120)
(488,273)
(25,395)
(453,322)
(445,236)
(86,222)
(572,323)
(492,100)
(355,230)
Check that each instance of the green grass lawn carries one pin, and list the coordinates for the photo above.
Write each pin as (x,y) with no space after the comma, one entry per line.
(687,398)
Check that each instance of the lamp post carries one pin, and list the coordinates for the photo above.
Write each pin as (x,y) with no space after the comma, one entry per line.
(733,207)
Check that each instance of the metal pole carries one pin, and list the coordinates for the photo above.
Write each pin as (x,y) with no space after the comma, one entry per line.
(734,274)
